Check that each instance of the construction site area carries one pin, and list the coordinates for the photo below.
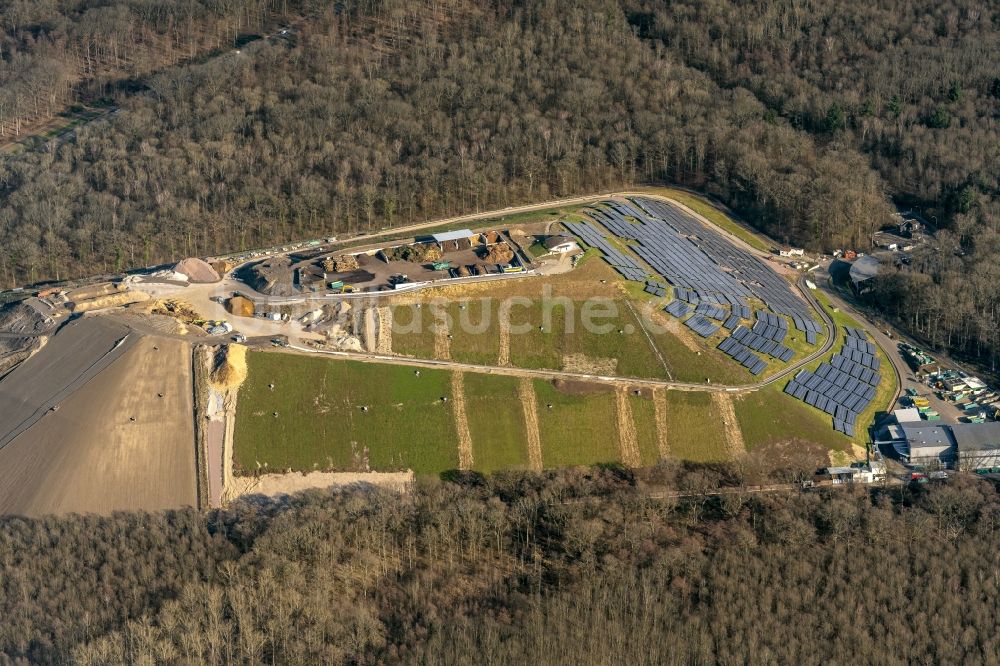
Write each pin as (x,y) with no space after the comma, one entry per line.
(624,330)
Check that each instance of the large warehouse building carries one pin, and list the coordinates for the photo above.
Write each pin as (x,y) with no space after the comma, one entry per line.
(977,445)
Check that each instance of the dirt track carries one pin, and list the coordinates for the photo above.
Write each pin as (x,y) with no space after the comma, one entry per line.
(90,457)
(626,430)
(530,406)
(660,407)
(461,420)
(735,446)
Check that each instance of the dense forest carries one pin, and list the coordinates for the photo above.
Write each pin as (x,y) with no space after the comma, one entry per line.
(576,567)
(808,118)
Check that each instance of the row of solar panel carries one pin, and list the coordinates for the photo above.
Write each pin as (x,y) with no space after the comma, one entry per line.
(844,387)
(859,344)
(806,324)
(622,263)
(695,296)
(771,319)
(711,311)
(836,384)
(678,308)
(844,427)
(657,284)
(755,364)
(732,322)
(855,333)
(633,274)
(700,325)
(772,348)
(769,331)
(821,402)
(855,369)
(655,291)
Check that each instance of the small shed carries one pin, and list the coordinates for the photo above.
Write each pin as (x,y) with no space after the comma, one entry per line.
(841,474)
(451,241)
(863,273)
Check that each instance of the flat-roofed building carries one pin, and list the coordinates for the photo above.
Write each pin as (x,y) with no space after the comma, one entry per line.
(977,445)
(928,445)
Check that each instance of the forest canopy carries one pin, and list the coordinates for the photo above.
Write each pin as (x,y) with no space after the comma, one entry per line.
(810,119)
(574,567)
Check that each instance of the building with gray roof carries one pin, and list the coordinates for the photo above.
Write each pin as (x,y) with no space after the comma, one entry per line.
(928,445)
(977,445)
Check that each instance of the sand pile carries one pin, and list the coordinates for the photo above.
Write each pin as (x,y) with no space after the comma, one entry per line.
(221,266)
(230,370)
(240,306)
(500,253)
(93,291)
(197,270)
(176,308)
(110,301)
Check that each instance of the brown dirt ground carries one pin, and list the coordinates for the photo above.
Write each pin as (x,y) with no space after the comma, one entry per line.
(682,333)
(89,456)
(503,358)
(580,283)
(577,387)
(660,407)
(442,344)
(461,420)
(627,441)
(384,345)
(530,406)
(589,365)
(274,485)
(735,446)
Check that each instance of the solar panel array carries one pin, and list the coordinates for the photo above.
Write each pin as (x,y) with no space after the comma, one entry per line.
(670,254)
(737,264)
(628,267)
(701,325)
(706,270)
(678,308)
(742,355)
(759,343)
(844,387)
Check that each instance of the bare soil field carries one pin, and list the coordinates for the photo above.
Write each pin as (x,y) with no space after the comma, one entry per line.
(90,455)
(275,485)
(71,358)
